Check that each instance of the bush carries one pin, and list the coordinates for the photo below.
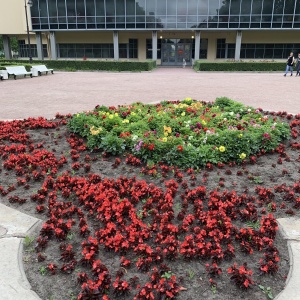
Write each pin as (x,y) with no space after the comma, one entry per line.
(239,66)
(90,65)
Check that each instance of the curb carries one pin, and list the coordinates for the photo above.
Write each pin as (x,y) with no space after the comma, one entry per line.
(290,230)
(15,226)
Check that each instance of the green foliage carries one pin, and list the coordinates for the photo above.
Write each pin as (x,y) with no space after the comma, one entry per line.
(253,225)
(185,134)
(91,65)
(28,241)
(267,291)
(239,66)
(167,275)
(43,270)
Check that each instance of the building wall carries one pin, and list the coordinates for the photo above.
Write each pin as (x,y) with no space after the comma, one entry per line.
(12,17)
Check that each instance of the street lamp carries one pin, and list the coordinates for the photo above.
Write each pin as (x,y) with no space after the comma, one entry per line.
(28,35)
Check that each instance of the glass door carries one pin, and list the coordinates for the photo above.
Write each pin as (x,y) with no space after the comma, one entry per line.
(175,53)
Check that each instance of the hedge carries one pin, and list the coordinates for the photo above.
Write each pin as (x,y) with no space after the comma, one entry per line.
(90,65)
(239,66)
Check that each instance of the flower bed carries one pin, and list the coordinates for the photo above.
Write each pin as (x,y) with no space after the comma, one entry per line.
(186,134)
(117,228)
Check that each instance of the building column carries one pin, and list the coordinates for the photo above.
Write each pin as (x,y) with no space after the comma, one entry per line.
(6,46)
(116,45)
(154,45)
(53,45)
(238,44)
(39,46)
(197,45)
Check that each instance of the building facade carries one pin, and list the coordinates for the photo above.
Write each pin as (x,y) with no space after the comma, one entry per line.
(169,31)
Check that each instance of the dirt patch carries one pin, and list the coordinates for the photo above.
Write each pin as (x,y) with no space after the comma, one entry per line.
(270,183)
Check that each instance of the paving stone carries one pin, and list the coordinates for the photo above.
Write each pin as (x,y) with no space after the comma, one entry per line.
(290,228)
(291,291)
(14,284)
(3,231)
(15,222)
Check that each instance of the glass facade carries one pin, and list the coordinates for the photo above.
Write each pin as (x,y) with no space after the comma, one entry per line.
(256,50)
(24,49)
(164,14)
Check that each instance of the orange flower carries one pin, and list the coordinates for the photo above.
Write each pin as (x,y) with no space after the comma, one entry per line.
(180,148)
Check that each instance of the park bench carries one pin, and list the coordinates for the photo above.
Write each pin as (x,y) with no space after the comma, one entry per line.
(38,70)
(17,71)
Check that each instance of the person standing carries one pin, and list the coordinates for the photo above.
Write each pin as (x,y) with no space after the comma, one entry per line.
(290,64)
(298,65)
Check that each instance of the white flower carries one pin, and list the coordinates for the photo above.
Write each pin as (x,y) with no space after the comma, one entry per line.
(231,113)
(134,137)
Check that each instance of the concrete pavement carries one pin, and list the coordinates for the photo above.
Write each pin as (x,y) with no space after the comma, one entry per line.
(14,227)
(74,92)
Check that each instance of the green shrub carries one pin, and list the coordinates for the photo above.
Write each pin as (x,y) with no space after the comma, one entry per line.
(239,66)
(91,65)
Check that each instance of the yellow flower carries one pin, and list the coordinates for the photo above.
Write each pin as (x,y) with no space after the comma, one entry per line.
(167,129)
(203,122)
(133,113)
(116,114)
(94,131)
(183,113)
(222,149)
(164,139)
(125,121)
(188,99)
(111,116)
(240,135)
(242,156)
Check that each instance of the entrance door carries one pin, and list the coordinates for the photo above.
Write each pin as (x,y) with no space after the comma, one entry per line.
(174,52)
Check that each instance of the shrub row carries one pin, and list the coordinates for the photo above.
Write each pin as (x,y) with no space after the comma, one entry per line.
(74,65)
(239,66)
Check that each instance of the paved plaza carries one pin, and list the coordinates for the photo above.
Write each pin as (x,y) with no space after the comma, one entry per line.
(71,92)
(74,92)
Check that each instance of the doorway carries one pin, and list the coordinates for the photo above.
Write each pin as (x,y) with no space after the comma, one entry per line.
(175,51)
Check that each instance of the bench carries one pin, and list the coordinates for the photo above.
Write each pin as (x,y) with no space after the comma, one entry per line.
(38,70)
(17,71)
(1,77)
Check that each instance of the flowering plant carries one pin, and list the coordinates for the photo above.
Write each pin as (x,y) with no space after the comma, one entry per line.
(187,133)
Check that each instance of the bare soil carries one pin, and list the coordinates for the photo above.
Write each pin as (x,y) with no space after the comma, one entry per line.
(269,171)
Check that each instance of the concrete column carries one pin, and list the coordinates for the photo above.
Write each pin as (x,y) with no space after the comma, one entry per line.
(197,45)
(53,45)
(116,45)
(238,44)
(154,45)
(39,46)
(6,46)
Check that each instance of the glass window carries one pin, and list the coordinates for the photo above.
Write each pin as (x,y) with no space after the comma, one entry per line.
(133,48)
(90,8)
(171,8)
(120,7)
(246,7)
(221,48)
(71,12)
(278,7)
(162,7)
(149,48)
(100,11)
(130,7)
(203,7)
